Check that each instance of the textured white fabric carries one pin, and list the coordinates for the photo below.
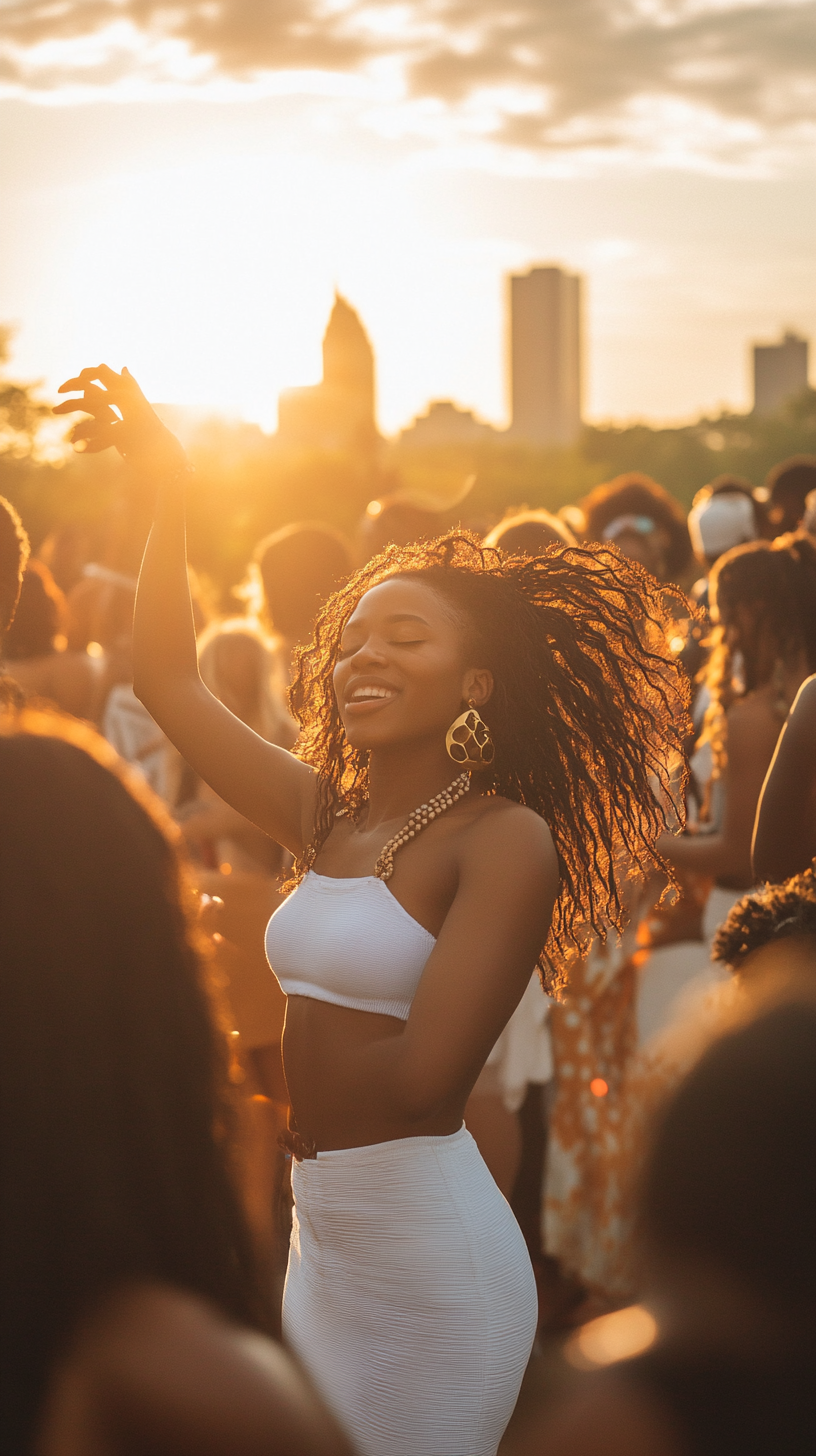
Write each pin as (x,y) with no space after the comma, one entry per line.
(410,1297)
(349,942)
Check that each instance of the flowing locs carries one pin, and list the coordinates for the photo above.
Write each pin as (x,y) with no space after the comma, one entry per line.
(588,713)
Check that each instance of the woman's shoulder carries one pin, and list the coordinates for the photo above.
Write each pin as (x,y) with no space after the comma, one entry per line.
(160,1369)
(497,815)
(502,827)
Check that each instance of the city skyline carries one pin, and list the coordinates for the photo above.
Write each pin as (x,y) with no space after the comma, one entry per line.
(185,199)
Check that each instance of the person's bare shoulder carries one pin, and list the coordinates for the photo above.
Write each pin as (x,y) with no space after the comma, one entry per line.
(163,1372)
(606,1416)
(503,821)
(803,713)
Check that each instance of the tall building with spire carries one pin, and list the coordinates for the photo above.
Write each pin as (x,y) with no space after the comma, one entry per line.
(339,413)
(545,356)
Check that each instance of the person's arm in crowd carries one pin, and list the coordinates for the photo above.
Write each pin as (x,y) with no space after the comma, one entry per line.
(263,782)
(726,854)
(785,829)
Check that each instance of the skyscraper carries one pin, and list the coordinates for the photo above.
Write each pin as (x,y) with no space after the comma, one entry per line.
(780,372)
(338,413)
(545,356)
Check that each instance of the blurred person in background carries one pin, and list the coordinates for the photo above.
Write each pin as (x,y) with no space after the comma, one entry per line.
(132,1317)
(36,653)
(788,486)
(299,567)
(723,514)
(719,1356)
(67,550)
(14,553)
(240,666)
(530,532)
(406,514)
(638,516)
(785,829)
(763,600)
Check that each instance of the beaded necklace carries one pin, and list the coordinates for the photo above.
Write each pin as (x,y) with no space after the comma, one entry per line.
(417,820)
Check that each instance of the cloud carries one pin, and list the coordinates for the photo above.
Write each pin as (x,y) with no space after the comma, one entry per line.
(700,77)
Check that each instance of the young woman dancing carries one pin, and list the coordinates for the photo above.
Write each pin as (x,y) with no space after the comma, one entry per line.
(486,752)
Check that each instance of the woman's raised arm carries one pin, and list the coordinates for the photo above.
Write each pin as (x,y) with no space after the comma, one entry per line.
(263,782)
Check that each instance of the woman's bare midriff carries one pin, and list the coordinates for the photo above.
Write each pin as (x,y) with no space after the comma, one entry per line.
(320,1045)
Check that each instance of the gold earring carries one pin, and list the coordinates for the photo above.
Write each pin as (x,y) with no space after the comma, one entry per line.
(468,740)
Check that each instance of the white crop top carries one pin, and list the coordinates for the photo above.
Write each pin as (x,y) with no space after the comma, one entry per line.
(348,942)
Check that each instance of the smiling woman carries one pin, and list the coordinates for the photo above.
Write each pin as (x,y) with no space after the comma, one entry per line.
(426,890)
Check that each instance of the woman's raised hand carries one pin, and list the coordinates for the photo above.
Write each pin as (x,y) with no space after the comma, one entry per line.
(121,416)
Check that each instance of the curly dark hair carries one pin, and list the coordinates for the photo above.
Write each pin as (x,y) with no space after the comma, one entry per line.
(588,712)
(772,913)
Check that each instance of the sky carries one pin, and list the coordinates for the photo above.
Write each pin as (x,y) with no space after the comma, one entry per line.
(183,185)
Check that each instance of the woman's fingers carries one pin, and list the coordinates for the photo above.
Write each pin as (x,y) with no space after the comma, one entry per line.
(91,437)
(91,428)
(96,401)
(120,416)
(96,374)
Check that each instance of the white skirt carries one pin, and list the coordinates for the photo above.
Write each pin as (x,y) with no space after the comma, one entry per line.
(410,1297)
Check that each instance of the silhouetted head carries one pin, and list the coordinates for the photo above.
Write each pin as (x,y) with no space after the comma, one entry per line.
(397,522)
(763,595)
(788,486)
(530,532)
(113,1075)
(566,657)
(300,566)
(638,516)
(730,1186)
(14,549)
(40,615)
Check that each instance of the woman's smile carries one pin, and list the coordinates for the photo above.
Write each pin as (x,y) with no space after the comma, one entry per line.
(366,695)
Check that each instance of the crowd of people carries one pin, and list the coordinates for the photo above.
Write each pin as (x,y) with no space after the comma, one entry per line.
(408,972)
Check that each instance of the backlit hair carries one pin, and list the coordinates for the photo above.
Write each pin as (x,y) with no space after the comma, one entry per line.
(588,713)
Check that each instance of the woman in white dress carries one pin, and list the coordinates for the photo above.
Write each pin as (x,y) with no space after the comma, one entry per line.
(437,853)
